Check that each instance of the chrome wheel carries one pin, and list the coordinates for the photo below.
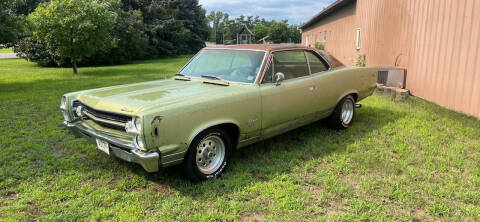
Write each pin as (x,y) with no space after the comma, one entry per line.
(347,111)
(210,154)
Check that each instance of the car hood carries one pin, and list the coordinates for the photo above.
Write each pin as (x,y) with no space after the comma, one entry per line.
(132,98)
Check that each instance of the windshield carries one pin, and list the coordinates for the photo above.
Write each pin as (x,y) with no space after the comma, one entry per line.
(230,65)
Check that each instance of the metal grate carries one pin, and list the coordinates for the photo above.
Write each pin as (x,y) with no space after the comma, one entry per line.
(104,118)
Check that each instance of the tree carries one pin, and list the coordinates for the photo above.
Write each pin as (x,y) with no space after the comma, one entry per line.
(260,31)
(221,27)
(25,7)
(10,26)
(194,20)
(279,32)
(215,18)
(76,29)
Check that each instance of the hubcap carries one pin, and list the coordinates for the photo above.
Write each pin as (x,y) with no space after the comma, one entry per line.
(210,154)
(347,112)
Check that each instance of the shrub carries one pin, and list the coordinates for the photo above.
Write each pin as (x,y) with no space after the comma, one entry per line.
(361,60)
(319,46)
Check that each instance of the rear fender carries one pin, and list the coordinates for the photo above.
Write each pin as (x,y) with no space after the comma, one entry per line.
(350,92)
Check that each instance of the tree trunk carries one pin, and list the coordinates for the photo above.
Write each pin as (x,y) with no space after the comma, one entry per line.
(74,66)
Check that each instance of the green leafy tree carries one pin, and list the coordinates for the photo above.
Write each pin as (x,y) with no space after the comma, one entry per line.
(279,32)
(25,7)
(194,20)
(221,27)
(10,25)
(76,29)
(261,31)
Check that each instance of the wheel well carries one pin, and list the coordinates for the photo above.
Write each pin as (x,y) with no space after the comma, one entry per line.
(232,130)
(355,96)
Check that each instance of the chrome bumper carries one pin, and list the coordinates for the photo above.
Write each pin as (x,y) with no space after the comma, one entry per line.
(120,149)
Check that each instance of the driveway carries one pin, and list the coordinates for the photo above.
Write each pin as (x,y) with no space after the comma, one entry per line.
(7,56)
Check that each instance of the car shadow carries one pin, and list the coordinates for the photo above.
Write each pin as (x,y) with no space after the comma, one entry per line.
(278,155)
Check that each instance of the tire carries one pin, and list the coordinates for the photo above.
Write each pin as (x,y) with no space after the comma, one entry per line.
(207,155)
(343,114)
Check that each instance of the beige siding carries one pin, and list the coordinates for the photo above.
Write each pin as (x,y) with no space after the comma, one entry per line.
(438,41)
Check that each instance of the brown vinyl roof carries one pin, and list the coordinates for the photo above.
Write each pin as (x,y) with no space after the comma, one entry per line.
(325,12)
(334,62)
(266,47)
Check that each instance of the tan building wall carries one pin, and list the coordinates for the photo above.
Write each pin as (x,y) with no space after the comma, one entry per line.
(437,41)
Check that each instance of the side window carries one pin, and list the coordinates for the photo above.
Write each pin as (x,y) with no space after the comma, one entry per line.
(291,63)
(316,64)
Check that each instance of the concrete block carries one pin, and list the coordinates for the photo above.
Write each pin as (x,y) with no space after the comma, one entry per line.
(401,94)
(389,90)
(380,88)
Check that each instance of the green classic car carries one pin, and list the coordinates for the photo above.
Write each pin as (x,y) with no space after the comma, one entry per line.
(224,98)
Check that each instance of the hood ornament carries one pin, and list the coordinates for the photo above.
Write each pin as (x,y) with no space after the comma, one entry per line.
(125,109)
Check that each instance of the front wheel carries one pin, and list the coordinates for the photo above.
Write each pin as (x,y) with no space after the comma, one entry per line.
(342,116)
(207,155)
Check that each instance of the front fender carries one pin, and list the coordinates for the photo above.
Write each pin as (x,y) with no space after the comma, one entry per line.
(209,124)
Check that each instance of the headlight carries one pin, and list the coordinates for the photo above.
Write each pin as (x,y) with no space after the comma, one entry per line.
(63,103)
(134,126)
(139,143)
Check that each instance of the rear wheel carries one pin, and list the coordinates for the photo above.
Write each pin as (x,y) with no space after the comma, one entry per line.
(207,155)
(342,116)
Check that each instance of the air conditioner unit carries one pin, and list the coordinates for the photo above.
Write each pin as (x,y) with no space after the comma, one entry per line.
(392,77)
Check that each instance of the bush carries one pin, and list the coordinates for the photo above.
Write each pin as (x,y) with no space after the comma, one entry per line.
(319,46)
(361,60)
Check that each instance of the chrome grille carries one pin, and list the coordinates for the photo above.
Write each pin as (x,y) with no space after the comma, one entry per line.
(102,118)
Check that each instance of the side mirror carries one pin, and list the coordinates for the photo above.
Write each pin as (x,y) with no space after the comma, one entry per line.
(279,77)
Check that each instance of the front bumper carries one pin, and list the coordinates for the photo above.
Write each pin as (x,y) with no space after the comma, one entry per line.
(118,148)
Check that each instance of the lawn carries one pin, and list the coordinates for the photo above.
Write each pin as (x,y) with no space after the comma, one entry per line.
(6,50)
(404,161)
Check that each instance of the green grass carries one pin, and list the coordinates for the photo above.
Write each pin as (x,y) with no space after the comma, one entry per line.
(404,161)
(6,50)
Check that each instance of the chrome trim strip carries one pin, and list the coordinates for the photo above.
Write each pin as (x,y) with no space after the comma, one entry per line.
(172,157)
(173,161)
(249,139)
(94,118)
(308,63)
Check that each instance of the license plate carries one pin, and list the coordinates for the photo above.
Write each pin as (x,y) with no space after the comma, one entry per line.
(103,146)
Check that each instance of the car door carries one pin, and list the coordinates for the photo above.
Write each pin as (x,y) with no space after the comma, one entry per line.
(323,79)
(290,103)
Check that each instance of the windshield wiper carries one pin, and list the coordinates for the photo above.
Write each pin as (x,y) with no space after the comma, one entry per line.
(211,77)
(180,76)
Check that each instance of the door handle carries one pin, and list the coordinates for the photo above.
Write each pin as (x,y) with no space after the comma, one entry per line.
(313,88)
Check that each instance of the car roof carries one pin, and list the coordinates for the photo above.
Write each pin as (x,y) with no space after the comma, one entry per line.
(265,47)
(332,60)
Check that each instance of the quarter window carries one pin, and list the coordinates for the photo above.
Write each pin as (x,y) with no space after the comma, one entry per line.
(316,64)
(291,63)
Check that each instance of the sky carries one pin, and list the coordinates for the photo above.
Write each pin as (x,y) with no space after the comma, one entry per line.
(296,11)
